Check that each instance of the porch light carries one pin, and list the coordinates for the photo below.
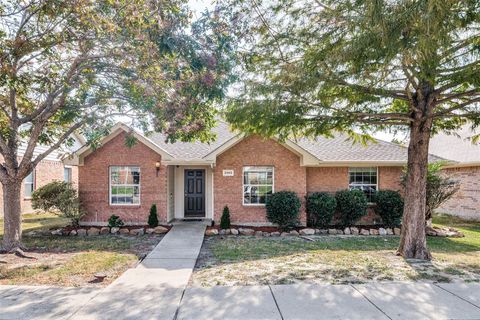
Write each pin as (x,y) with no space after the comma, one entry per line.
(157,166)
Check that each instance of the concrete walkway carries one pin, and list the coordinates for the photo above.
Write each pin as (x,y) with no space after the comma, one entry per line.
(288,302)
(154,289)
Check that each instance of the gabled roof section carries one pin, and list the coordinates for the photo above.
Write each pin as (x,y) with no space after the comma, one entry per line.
(77,157)
(340,149)
(322,151)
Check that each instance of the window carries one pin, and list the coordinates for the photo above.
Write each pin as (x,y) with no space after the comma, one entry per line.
(29,183)
(257,185)
(124,185)
(364,179)
(67,174)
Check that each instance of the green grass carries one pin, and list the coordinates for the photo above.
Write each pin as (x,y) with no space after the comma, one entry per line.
(41,221)
(248,260)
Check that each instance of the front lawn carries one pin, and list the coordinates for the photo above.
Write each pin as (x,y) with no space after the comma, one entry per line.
(336,259)
(39,221)
(71,261)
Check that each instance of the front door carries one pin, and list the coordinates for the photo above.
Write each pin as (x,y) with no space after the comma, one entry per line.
(194,193)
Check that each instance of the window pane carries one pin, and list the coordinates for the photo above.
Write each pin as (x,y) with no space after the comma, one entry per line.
(258,184)
(29,185)
(125,185)
(364,179)
(67,174)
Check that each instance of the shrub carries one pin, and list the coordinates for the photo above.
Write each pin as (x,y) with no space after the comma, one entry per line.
(115,221)
(320,209)
(389,206)
(152,217)
(61,198)
(283,208)
(225,219)
(352,205)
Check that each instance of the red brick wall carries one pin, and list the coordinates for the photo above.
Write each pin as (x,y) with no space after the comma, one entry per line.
(332,179)
(94,182)
(254,151)
(389,178)
(466,202)
(45,172)
(327,179)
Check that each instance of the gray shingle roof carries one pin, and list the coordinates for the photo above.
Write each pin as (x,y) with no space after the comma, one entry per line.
(194,150)
(338,148)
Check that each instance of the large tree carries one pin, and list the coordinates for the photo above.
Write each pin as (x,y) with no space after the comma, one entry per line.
(73,65)
(312,67)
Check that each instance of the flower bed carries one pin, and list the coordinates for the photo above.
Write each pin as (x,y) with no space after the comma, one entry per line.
(355,231)
(95,231)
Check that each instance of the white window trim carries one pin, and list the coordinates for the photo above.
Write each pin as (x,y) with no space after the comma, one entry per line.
(369,184)
(132,185)
(34,176)
(243,185)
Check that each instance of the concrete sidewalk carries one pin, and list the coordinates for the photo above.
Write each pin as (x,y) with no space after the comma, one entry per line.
(368,301)
(154,289)
(288,302)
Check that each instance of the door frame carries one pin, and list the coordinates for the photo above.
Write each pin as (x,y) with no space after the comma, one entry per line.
(179,190)
(204,193)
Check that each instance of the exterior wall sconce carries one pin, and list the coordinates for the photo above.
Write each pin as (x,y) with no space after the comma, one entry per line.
(157,166)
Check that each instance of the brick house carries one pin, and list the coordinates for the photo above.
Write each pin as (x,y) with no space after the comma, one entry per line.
(49,169)
(466,202)
(196,180)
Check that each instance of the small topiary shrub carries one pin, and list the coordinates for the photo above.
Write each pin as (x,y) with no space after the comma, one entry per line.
(225,219)
(352,205)
(389,206)
(283,209)
(320,209)
(152,217)
(62,198)
(115,221)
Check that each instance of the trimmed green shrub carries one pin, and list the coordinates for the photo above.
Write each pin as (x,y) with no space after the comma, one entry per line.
(115,221)
(352,205)
(389,206)
(61,198)
(225,219)
(283,209)
(152,217)
(320,209)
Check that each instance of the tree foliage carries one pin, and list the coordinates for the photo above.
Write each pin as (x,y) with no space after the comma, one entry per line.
(59,197)
(312,67)
(74,65)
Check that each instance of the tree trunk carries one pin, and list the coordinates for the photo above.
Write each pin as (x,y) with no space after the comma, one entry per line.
(413,242)
(12,237)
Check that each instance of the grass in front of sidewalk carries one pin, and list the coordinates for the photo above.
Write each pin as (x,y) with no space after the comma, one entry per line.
(336,259)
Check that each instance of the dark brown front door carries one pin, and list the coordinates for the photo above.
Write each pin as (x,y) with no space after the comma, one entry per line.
(195,193)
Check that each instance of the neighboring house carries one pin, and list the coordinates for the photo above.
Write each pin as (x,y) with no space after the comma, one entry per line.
(196,180)
(466,202)
(49,169)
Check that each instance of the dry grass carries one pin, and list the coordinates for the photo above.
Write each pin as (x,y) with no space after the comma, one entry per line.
(70,261)
(337,259)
